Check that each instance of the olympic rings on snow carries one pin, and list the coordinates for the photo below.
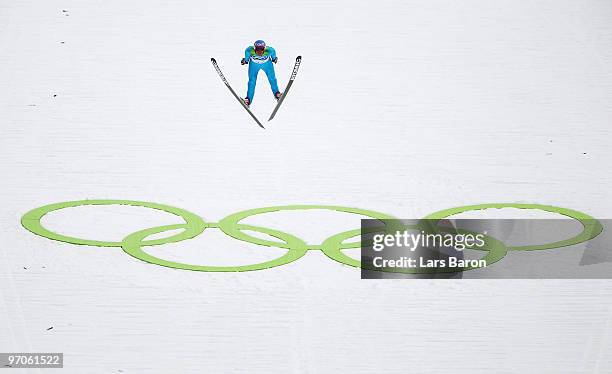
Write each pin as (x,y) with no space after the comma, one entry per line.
(193,225)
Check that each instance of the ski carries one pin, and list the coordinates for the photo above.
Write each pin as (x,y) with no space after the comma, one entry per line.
(298,61)
(214,62)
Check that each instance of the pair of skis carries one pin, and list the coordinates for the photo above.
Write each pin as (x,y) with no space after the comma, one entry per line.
(298,61)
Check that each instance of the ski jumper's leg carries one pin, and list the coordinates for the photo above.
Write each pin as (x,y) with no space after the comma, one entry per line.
(268,67)
(253,71)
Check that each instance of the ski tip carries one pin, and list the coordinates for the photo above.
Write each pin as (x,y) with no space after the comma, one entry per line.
(213,59)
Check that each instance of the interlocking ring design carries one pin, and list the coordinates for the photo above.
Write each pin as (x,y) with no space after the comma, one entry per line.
(193,225)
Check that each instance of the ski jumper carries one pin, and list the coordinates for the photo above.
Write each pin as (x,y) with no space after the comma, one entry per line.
(256,63)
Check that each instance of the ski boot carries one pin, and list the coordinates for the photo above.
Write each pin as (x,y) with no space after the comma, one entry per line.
(278,95)
(247,101)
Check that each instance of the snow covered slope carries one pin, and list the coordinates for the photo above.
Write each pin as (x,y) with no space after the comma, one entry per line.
(403,107)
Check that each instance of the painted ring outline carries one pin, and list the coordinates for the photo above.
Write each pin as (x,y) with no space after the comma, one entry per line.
(229,224)
(332,248)
(194,224)
(591,227)
(132,245)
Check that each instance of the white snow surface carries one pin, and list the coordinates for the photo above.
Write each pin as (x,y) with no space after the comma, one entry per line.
(404,107)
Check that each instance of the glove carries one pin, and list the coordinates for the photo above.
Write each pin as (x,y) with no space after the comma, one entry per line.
(243,62)
(275,59)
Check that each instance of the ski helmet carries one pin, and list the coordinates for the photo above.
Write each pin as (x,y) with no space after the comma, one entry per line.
(259,45)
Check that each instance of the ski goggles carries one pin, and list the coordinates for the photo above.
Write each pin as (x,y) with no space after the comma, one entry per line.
(260,48)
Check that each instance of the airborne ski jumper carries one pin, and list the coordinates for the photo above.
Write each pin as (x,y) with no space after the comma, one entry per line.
(260,57)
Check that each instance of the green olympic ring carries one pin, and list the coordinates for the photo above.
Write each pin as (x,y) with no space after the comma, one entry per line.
(133,243)
(496,250)
(194,225)
(332,247)
(590,226)
(229,224)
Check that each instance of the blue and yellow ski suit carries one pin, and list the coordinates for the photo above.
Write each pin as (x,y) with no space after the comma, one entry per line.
(256,63)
